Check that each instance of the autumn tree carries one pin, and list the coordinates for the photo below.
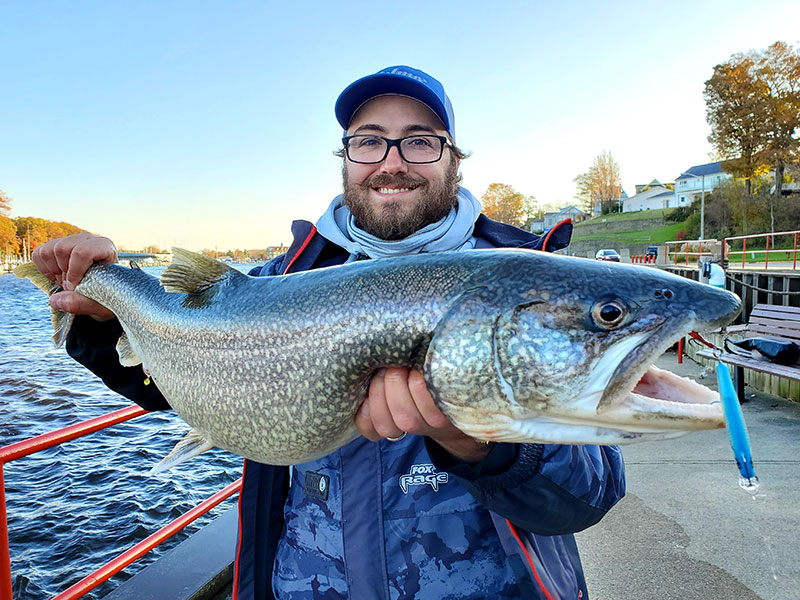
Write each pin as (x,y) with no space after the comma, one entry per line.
(9,243)
(5,204)
(779,68)
(753,108)
(601,184)
(503,203)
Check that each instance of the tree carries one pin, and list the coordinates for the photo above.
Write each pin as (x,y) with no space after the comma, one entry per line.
(600,185)
(9,244)
(5,204)
(779,68)
(503,203)
(753,108)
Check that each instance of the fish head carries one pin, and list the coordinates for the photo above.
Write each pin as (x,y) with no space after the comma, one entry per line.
(565,355)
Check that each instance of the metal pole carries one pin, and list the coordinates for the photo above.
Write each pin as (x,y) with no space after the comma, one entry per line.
(702,206)
(5,553)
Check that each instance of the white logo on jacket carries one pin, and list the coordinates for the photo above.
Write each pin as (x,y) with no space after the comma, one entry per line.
(424,474)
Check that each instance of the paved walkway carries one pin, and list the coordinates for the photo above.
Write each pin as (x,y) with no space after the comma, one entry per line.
(686,531)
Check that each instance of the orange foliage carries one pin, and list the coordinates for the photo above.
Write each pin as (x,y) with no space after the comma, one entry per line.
(502,203)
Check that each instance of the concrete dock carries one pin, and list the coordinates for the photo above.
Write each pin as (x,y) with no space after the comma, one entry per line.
(686,530)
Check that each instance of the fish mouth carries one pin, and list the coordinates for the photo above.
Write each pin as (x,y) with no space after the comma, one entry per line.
(662,400)
(641,397)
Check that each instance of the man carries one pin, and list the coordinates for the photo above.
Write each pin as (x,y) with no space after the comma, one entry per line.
(414,508)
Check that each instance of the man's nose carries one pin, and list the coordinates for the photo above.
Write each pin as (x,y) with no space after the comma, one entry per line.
(394,163)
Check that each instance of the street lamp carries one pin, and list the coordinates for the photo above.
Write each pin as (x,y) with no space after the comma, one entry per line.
(702,200)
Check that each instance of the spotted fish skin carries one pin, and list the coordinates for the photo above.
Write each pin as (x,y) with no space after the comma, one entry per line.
(274,368)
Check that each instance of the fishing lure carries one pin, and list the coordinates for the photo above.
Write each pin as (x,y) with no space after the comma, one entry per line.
(740,441)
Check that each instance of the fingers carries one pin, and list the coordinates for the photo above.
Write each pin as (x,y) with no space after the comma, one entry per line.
(76,260)
(374,419)
(46,262)
(399,401)
(66,260)
(430,413)
(77,304)
(364,422)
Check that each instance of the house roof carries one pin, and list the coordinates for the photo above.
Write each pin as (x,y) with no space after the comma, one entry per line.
(700,170)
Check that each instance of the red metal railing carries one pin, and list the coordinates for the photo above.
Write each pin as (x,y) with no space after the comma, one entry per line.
(48,440)
(689,251)
(770,248)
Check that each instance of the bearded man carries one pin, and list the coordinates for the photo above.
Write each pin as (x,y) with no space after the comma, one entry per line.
(414,508)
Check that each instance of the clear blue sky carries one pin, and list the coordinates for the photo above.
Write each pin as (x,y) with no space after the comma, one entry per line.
(210,124)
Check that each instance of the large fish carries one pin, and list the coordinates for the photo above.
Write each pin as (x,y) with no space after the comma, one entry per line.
(515,346)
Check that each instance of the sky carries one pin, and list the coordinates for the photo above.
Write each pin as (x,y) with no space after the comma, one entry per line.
(210,125)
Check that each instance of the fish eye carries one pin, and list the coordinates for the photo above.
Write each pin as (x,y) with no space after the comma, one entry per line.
(667,293)
(608,313)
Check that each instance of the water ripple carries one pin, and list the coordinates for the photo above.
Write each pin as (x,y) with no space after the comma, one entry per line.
(74,507)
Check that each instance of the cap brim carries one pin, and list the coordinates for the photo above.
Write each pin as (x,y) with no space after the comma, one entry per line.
(379,84)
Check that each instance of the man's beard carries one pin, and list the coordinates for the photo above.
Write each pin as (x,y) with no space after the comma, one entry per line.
(391,222)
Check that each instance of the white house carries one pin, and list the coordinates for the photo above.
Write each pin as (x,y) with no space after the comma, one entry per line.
(552,219)
(597,206)
(696,180)
(649,197)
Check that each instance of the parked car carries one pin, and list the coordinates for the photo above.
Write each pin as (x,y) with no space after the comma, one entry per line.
(607,254)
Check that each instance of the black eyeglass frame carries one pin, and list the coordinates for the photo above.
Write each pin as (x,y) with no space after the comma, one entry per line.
(394,142)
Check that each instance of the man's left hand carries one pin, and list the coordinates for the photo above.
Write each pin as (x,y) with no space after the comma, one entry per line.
(399,401)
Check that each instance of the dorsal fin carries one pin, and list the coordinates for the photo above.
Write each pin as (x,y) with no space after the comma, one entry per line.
(196,275)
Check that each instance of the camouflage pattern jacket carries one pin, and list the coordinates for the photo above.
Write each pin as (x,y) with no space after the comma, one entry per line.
(404,519)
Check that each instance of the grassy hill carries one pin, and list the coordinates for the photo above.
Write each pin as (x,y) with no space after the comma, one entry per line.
(624,229)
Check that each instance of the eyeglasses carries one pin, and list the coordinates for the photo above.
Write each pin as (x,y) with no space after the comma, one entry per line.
(414,149)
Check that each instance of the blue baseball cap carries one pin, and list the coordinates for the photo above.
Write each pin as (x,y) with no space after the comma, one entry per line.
(401,80)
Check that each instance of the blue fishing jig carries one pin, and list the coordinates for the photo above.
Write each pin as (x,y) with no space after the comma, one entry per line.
(740,441)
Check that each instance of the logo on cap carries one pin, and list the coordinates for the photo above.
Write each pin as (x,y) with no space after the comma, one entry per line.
(396,71)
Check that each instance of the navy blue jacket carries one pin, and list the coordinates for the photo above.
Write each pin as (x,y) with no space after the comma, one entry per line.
(405,519)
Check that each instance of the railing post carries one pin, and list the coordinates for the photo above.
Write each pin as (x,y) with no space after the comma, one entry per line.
(5,551)
(744,251)
(724,255)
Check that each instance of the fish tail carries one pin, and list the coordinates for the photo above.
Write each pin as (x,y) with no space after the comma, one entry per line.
(62,321)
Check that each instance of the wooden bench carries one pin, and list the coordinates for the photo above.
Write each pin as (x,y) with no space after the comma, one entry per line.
(766,321)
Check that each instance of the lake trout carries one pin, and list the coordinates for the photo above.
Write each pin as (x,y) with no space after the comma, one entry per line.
(515,346)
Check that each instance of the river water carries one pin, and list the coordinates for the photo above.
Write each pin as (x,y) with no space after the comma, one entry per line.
(73,507)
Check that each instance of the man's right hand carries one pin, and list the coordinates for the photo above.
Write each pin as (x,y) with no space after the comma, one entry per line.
(64,261)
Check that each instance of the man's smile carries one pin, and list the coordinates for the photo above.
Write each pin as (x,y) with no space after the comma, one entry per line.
(388,190)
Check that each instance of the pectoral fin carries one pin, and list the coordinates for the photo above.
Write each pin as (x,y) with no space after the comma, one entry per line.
(127,355)
(190,446)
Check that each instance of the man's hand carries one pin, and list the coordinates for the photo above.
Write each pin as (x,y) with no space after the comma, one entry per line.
(399,401)
(65,261)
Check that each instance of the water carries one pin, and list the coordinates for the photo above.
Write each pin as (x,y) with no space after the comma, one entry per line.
(74,507)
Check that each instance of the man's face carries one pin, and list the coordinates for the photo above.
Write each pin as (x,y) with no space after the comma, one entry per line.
(393,199)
